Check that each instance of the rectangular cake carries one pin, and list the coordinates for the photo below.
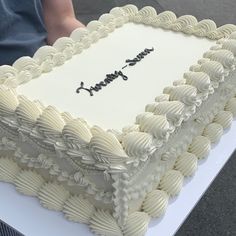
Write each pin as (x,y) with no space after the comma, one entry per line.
(105,124)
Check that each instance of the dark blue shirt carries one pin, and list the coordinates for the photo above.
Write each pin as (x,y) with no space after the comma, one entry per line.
(22,30)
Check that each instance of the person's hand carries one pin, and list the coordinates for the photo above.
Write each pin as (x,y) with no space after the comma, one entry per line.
(59,19)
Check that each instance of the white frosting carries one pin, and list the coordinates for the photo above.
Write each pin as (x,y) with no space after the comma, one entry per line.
(187,164)
(172,109)
(156,203)
(213,131)
(164,19)
(136,224)
(27,112)
(172,182)
(50,122)
(204,27)
(76,131)
(231,106)
(184,23)
(102,223)
(138,144)
(168,46)
(25,65)
(28,182)
(200,80)
(200,147)
(78,209)
(8,169)
(230,45)
(224,118)
(53,196)
(225,57)
(184,93)
(66,46)
(157,125)
(107,148)
(8,101)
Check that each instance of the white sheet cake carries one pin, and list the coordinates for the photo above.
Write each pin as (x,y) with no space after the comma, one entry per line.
(152,93)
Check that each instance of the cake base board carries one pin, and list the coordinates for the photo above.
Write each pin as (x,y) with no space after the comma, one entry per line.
(27,216)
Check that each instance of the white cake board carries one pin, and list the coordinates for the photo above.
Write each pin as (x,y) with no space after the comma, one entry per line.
(27,216)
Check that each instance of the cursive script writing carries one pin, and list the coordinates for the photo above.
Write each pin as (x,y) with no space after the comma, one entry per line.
(109,78)
(139,57)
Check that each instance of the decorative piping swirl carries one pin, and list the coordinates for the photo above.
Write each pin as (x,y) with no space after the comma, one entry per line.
(107,149)
(138,144)
(8,169)
(230,45)
(136,224)
(8,101)
(27,112)
(77,132)
(233,35)
(215,70)
(82,38)
(53,196)
(130,10)
(172,182)
(201,81)
(109,21)
(203,28)
(99,27)
(145,15)
(184,23)
(157,125)
(155,203)
(164,19)
(200,147)
(231,106)
(173,111)
(213,131)
(187,164)
(50,123)
(186,94)
(66,46)
(8,76)
(225,57)
(222,32)
(102,223)
(162,98)
(224,118)
(48,57)
(78,209)
(28,68)
(28,182)
(120,16)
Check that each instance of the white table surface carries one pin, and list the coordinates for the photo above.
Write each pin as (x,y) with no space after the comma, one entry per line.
(27,216)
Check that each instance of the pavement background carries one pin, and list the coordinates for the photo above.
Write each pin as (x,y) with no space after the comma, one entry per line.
(215,214)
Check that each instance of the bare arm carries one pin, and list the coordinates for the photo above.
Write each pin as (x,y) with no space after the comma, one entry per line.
(59,18)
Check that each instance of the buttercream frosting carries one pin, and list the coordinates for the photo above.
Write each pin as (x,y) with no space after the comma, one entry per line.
(156,203)
(102,223)
(231,106)
(213,131)
(200,147)
(8,169)
(28,182)
(136,224)
(53,196)
(224,118)
(78,209)
(171,182)
(187,164)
